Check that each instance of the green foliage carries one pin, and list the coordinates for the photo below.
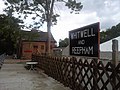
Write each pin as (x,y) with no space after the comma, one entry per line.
(74,6)
(9,33)
(64,43)
(42,9)
(111,33)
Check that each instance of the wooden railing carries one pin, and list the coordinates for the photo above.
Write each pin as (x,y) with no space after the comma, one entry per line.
(81,74)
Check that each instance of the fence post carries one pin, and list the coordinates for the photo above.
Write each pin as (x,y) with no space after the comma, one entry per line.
(95,74)
(73,73)
(115,52)
(114,57)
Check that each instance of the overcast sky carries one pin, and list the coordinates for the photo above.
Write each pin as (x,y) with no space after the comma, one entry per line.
(107,12)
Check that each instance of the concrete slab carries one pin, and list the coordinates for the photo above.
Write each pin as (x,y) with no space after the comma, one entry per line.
(16,77)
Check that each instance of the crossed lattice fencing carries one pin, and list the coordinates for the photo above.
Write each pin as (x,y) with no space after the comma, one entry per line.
(81,74)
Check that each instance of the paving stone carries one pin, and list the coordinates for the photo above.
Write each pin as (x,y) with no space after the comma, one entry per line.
(16,77)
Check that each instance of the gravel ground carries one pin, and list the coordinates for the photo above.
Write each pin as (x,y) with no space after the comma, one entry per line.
(16,77)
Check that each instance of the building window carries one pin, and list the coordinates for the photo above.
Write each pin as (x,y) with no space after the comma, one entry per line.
(42,47)
(35,46)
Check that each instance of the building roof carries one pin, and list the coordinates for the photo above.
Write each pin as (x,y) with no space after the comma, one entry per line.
(37,36)
(107,46)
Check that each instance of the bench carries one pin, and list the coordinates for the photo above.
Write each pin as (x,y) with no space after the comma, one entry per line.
(31,65)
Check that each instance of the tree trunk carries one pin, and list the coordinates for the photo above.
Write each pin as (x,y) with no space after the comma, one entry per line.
(49,23)
(49,36)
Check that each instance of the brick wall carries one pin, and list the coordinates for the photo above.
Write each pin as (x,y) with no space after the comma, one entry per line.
(28,48)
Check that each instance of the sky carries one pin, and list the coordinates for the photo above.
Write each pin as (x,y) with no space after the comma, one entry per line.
(107,12)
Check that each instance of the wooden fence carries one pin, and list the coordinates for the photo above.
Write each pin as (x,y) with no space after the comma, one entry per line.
(81,74)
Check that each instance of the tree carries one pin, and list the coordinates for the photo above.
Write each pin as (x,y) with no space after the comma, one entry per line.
(42,9)
(9,34)
(110,33)
(64,43)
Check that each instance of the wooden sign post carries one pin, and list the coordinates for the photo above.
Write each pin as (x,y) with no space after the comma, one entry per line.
(115,52)
(114,57)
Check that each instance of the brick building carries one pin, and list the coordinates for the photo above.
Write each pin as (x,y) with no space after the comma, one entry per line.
(37,44)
